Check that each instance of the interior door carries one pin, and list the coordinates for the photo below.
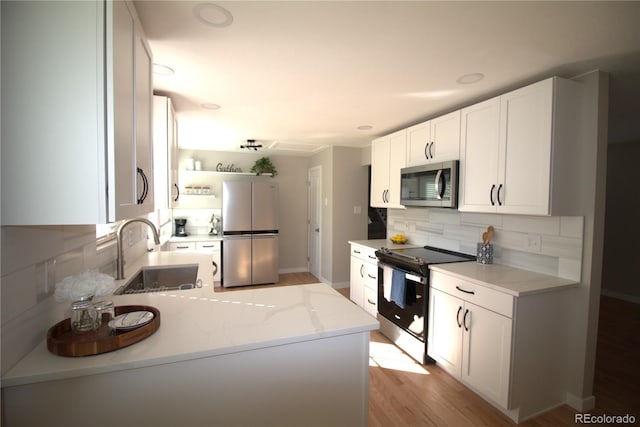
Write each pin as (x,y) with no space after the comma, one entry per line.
(314,221)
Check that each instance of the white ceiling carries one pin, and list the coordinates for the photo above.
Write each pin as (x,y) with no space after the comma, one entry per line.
(303,75)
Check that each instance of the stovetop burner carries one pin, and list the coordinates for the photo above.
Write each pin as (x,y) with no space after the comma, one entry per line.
(417,260)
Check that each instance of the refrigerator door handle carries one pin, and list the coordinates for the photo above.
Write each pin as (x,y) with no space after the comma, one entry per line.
(264,235)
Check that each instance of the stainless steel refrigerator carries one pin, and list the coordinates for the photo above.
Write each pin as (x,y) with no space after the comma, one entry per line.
(250,252)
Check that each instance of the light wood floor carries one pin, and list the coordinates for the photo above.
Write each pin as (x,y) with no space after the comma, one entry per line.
(405,393)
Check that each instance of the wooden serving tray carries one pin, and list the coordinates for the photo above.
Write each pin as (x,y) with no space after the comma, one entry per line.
(63,342)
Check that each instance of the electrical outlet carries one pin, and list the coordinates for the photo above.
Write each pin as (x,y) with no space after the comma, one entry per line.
(533,242)
(357,210)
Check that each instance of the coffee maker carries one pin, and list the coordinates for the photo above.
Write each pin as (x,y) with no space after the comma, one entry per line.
(180,227)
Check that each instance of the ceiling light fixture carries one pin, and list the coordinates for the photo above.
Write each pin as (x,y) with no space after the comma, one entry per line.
(213,15)
(162,70)
(471,78)
(251,145)
(210,106)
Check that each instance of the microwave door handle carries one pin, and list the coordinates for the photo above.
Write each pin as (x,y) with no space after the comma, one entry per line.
(438,176)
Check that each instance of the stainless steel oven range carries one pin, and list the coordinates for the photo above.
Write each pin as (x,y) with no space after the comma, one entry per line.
(403,294)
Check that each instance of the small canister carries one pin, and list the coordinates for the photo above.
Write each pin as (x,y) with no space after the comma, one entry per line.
(485,253)
(105,311)
(83,316)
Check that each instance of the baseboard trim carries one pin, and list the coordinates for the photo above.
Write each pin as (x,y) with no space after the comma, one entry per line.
(581,403)
(340,285)
(619,295)
(293,270)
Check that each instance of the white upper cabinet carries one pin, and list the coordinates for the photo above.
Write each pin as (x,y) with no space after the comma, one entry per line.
(76,139)
(514,150)
(164,153)
(387,158)
(479,156)
(436,140)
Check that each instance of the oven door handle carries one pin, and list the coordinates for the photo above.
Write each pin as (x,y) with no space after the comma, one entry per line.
(419,279)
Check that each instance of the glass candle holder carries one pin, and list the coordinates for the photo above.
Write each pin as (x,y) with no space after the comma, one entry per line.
(105,311)
(83,316)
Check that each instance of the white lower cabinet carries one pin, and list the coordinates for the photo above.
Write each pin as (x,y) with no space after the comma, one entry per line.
(209,246)
(181,246)
(471,343)
(364,278)
(511,349)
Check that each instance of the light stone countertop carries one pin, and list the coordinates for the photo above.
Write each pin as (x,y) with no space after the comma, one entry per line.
(510,280)
(381,243)
(196,238)
(201,322)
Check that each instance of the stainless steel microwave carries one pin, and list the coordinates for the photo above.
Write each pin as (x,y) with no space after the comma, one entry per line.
(434,185)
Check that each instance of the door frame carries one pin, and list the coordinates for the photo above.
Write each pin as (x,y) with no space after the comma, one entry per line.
(314,204)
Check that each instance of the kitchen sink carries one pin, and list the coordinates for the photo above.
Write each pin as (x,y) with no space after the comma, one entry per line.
(161,278)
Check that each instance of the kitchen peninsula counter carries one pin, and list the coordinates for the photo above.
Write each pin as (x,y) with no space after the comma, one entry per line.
(270,347)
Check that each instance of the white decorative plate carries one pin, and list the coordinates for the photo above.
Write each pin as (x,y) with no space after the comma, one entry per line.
(131,320)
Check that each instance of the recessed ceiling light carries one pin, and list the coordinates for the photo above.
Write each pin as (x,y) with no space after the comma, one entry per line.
(210,106)
(163,70)
(213,15)
(365,127)
(471,78)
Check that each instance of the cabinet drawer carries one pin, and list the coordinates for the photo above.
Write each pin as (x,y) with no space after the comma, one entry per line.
(371,276)
(371,301)
(208,246)
(365,253)
(182,246)
(482,296)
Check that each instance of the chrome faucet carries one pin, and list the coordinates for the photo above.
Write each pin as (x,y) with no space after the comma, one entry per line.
(120,250)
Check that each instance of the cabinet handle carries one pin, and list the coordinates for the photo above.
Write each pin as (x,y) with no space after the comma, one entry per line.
(177,192)
(426,150)
(215,269)
(145,186)
(371,277)
(182,247)
(431,150)
(493,187)
(356,251)
(361,268)
(373,257)
(464,290)
(371,302)
(464,320)
(458,317)
(498,194)
(207,246)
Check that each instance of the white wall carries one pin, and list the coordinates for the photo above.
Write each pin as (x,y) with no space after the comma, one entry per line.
(350,209)
(292,191)
(344,189)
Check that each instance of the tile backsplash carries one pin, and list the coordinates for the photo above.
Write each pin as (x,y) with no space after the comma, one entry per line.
(197,220)
(34,259)
(549,245)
